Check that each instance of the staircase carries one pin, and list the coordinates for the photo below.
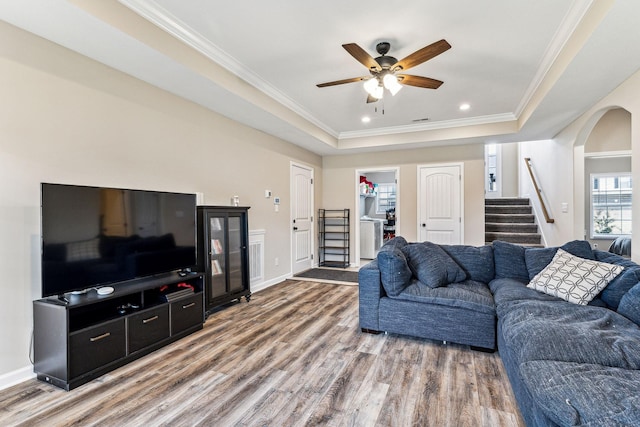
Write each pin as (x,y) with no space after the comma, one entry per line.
(510,220)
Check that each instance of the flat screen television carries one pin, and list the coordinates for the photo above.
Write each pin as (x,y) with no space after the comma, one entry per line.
(94,236)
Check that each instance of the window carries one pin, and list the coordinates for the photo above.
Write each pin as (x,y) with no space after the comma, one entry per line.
(611,205)
(386,198)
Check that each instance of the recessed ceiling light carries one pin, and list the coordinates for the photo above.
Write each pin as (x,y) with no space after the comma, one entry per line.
(366,119)
(464,107)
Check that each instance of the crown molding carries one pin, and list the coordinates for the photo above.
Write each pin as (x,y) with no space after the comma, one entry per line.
(568,25)
(159,16)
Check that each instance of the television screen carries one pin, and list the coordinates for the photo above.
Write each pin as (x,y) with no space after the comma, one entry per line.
(93,236)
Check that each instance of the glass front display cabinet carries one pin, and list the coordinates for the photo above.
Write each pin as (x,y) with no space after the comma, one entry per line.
(223,237)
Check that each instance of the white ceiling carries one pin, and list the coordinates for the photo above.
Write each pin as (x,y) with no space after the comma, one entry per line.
(523,66)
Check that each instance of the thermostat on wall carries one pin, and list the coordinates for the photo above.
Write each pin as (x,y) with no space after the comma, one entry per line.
(276,200)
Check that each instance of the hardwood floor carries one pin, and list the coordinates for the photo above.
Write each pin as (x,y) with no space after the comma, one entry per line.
(293,356)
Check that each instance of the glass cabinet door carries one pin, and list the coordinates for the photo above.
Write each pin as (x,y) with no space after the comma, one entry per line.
(218,283)
(235,254)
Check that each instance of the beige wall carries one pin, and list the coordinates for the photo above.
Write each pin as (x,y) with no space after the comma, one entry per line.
(67,119)
(612,133)
(340,191)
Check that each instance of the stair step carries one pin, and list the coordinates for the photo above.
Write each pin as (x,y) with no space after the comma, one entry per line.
(507,201)
(510,227)
(519,238)
(510,218)
(506,209)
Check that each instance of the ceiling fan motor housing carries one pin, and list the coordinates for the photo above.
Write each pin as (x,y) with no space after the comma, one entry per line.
(386,62)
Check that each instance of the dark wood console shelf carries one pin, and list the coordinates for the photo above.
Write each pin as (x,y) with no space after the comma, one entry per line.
(93,334)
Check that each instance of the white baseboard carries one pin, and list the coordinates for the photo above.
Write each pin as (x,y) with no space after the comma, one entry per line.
(15,377)
(264,285)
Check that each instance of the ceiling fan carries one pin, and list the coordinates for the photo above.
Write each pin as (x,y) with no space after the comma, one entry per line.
(385,70)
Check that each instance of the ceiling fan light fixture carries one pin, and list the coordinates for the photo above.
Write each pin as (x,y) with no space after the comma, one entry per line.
(373,88)
(391,83)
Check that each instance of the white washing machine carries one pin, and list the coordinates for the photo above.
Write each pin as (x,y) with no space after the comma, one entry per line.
(371,234)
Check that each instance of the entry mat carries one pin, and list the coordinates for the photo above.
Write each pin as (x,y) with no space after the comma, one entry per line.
(330,274)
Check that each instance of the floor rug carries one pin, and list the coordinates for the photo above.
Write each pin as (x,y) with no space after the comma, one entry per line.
(329,274)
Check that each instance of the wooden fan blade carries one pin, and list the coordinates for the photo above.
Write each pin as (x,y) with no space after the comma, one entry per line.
(362,56)
(371,99)
(422,55)
(341,82)
(418,81)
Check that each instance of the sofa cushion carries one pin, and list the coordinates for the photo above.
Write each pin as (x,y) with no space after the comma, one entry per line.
(615,290)
(469,294)
(574,279)
(537,259)
(432,265)
(477,261)
(619,286)
(584,394)
(509,261)
(562,331)
(630,304)
(613,258)
(394,270)
(507,292)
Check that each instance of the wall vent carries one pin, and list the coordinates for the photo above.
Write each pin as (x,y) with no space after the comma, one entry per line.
(256,257)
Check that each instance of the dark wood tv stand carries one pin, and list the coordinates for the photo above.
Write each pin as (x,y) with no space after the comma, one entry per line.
(92,334)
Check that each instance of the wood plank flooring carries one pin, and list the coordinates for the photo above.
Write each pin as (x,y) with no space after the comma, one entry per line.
(293,356)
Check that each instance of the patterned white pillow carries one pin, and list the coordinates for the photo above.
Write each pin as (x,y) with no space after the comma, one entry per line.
(574,279)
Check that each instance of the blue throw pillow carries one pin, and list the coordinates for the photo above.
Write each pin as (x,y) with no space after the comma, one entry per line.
(619,286)
(394,271)
(477,261)
(432,265)
(509,261)
(630,304)
(537,259)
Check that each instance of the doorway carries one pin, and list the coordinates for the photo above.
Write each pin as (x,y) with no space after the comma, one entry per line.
(377,210)
(492,171)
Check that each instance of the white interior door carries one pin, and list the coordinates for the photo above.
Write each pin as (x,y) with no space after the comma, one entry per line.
(440,202)
(301,218)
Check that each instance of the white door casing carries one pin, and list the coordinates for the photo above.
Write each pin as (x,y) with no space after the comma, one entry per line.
(301,218)
(440,204)
(359,200)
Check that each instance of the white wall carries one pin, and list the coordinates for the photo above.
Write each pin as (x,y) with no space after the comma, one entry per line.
(510,167)
(67,119)
(551,162)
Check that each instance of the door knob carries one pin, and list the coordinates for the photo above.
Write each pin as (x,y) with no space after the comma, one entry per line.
(424,225)
(295,228)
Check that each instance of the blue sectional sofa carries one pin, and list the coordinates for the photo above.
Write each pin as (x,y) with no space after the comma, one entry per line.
(564,320)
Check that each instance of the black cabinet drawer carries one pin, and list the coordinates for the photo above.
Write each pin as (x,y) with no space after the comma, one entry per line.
(186,313)
(97,346)
(148,328)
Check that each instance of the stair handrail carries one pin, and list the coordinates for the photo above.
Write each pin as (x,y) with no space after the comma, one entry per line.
(547,218)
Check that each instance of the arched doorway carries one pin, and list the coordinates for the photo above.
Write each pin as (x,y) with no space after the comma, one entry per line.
(602,177)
